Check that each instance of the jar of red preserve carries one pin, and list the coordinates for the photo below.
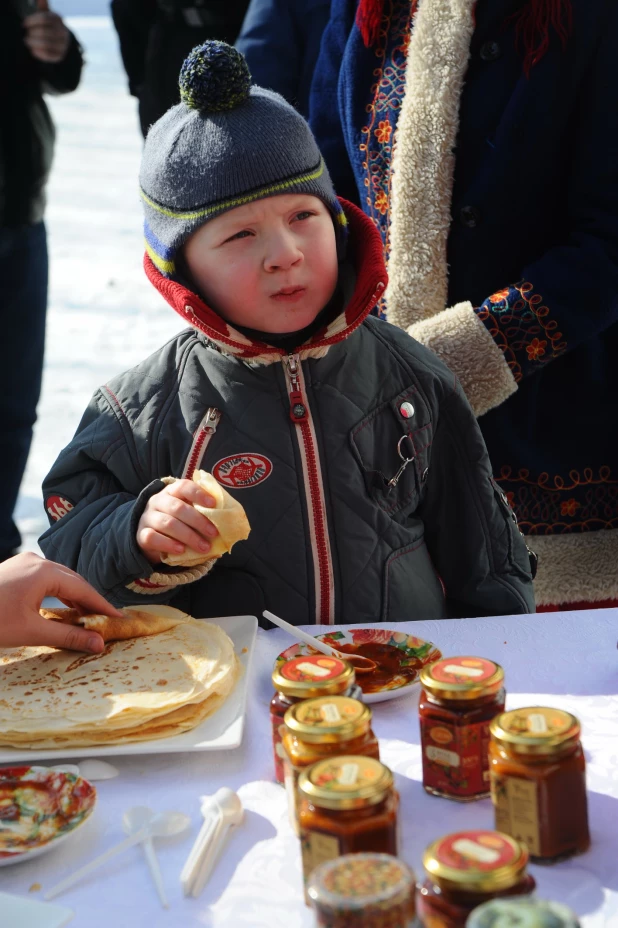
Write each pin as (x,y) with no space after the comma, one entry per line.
(460,698)
(305,678)
(465,870)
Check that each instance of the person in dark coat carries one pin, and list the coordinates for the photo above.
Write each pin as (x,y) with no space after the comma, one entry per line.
(157,35)
(37,54)
(281,41)
(482,139)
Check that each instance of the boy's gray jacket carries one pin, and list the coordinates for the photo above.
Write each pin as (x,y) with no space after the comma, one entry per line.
(313,446)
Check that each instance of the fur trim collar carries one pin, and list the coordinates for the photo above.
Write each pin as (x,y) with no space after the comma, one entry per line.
(423,161)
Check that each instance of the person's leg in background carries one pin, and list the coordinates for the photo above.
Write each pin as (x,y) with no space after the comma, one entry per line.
(23,306)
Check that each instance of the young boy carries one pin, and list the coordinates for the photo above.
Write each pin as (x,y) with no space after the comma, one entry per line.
(352,448)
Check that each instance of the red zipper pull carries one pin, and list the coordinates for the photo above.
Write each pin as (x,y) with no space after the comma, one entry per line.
(298,410)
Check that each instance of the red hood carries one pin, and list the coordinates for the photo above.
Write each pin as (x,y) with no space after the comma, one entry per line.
(366,255)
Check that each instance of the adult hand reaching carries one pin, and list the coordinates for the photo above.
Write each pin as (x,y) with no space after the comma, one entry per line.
(46,35)
(25,581)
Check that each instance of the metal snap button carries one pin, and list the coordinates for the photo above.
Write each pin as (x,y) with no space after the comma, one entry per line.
(490,51)
(406,410)
(469,216)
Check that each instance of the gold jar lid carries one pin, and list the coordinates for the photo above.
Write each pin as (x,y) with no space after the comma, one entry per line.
(476,861)
(462,677)
(346,782)
(313,675)
(328,719)
(535,730)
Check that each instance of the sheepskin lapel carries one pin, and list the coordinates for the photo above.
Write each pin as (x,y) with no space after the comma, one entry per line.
(423,161)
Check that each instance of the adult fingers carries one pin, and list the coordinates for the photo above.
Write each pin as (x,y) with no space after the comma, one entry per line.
(64,584)
(57,635)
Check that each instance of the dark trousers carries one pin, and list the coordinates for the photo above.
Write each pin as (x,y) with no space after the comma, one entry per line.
(23,304)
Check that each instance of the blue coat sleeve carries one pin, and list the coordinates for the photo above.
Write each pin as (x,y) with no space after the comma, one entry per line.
(94,496)
(324,111)
(570,293)
(281,40)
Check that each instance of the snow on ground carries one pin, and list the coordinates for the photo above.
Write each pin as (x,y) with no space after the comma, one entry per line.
(104,316)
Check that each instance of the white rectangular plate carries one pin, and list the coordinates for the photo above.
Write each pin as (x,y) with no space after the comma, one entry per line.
(19,912)
(222,730)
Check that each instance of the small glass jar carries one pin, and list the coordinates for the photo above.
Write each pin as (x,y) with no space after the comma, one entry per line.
(523,913)
(538,781)
(305,678)
(465,870)
(320,728)
(348,804)
(363,891)
(459,699)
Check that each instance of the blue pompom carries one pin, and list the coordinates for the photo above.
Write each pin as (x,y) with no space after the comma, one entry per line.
(215,77)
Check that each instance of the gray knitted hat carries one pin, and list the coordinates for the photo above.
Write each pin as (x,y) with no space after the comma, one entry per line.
(226,144)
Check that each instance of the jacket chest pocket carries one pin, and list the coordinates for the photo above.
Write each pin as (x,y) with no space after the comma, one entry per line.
(392,445)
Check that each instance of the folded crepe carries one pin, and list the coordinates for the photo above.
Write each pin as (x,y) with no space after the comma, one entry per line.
(228,516)
(165,678)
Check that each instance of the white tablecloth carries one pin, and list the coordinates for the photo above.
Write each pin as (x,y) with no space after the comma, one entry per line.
(568,660)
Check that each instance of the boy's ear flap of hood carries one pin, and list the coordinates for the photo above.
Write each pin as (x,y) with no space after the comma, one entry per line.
(364,281)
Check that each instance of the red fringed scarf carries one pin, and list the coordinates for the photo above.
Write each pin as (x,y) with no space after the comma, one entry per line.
(532,27)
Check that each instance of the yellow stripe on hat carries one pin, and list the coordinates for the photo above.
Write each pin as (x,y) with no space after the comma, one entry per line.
(236,201)
(166,267)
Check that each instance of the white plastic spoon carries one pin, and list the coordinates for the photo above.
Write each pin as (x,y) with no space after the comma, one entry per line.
(135,820)
(361,663)
(162,825)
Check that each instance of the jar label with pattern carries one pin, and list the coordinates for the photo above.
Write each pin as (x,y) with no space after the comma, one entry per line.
(517,810)
(455,760)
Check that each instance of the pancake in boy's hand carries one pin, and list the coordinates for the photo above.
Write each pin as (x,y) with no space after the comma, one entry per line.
(228,517)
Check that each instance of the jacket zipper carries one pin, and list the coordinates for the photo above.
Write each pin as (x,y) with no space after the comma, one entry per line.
(201,440)
(314,491)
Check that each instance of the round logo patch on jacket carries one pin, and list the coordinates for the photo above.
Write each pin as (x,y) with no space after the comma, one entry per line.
(57,507)
(242,470)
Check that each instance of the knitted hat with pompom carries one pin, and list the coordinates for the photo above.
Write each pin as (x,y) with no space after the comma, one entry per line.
(226,143)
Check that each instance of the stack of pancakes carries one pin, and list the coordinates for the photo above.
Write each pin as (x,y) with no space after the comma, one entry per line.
(161,673)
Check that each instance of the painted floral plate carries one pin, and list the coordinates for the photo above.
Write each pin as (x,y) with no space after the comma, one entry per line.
(39,808)
(399,657)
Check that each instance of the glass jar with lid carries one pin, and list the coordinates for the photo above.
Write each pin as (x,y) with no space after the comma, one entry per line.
(538,781)
(459,699)
(363,891)
(305,678)
(466,869)
(522,913)
(319,728)
(348,805)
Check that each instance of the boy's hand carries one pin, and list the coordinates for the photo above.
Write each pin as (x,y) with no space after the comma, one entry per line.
(46,35)
(169,523)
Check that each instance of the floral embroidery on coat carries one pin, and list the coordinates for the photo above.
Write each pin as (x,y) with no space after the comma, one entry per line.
(386,95)
(544,505)
(522,327)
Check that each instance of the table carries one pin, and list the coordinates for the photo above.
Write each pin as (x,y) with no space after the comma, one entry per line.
(568,660)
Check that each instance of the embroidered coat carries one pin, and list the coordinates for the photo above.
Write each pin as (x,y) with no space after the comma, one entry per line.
(309,444)
(500,223)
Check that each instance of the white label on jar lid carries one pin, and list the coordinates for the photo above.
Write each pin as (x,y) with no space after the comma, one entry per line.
(313,670)
(440,756)
(464,671)
(537,723)
(330,712)
(348,775)
(474,851)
